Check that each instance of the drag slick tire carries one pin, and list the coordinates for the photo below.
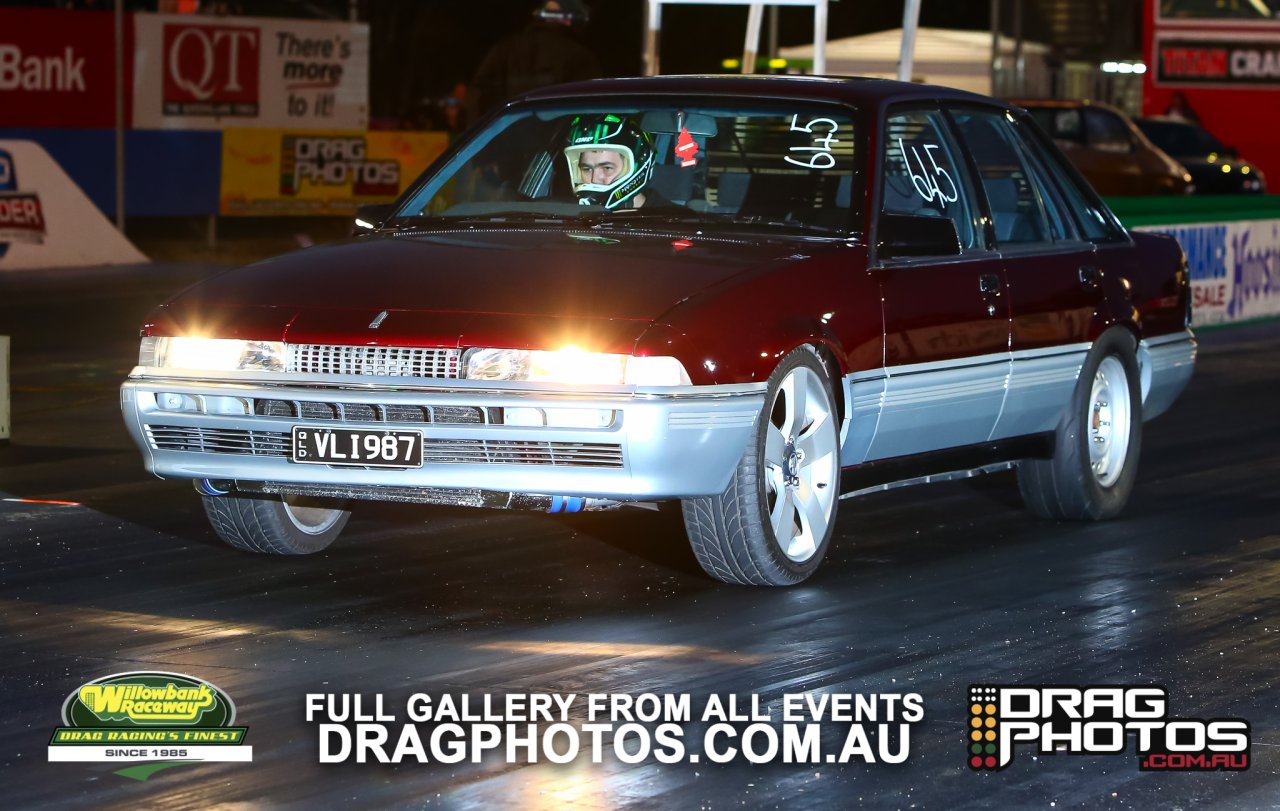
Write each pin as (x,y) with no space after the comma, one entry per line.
(275,525)
(772,525)
(1097,443)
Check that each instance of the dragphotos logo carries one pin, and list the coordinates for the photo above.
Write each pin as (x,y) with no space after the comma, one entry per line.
(1099,720)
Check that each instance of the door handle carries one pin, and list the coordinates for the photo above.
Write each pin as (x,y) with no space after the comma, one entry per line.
(1089,275)
(989,283)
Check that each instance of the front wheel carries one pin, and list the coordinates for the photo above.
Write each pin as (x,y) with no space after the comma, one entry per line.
(772,525)
(1098,440)
(282,525)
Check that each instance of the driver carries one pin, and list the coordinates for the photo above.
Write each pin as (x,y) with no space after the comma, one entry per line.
(610,163)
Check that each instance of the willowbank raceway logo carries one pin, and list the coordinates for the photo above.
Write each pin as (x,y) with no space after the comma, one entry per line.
(156,719)
(1098,720)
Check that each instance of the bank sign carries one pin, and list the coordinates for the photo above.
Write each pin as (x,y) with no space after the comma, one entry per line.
(209,73)
(57,68)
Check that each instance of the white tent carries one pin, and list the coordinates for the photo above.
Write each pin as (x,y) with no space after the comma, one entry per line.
(960,59)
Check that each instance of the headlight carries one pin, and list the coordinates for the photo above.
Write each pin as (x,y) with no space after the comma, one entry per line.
(212,354)
(574,367)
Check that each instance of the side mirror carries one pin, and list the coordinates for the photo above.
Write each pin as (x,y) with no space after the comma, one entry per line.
(369,218)
(901,236)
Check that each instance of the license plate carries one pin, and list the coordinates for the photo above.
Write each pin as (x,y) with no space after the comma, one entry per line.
(342,446)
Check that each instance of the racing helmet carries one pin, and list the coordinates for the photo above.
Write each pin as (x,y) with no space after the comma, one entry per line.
(618,134)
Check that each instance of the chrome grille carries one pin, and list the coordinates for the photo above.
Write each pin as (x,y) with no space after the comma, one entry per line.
(513,452)
(377,412)
(434,451)
(383,361)
(218,440)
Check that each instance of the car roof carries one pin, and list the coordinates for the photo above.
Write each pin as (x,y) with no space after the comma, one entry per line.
(1028,104)
(860,91)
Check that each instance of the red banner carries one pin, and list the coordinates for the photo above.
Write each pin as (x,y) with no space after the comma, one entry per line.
(1218,63)
(57,68)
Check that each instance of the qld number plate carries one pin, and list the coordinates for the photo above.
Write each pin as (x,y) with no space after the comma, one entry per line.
(342,446)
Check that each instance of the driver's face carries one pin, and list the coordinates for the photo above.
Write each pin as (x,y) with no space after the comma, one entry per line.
(599,166)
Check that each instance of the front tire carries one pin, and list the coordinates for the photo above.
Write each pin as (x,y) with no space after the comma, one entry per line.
(1097,443)
(773,524)
(284,525)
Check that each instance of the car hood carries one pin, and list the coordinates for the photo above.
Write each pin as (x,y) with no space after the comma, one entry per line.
(501,288)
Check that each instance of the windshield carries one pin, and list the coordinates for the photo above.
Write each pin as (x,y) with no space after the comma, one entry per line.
(784,165)
(1181,139)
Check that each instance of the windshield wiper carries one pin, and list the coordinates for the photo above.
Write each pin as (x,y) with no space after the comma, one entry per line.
(798,225)
(494,218)
(670,218)
(615,219)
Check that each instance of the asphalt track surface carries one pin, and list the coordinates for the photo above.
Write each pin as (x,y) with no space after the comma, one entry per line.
(927,589)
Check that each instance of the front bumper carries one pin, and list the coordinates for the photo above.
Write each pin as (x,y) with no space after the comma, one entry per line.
(646,444)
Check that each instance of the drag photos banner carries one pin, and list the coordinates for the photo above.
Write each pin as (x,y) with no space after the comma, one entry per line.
(143,722)
(331,172)
(799,728)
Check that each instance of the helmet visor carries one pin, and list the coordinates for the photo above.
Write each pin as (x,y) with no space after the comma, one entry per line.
(599,167)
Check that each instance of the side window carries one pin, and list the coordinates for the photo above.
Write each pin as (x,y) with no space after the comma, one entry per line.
(1107,133)
(924,174)
(1094,224)
(1011,190)
(1055,208)
(1062,123)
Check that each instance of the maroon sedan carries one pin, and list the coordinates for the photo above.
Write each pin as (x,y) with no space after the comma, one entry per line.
(751,295)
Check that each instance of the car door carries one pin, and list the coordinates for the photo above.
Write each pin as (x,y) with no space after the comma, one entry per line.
(945,315)
(1052,273)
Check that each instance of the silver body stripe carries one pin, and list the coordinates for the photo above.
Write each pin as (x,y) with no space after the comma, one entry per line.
(916,408)
(1166,364)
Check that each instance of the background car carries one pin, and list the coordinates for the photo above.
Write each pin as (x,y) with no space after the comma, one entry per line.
(748,295)
(1216,169)
(1108,149)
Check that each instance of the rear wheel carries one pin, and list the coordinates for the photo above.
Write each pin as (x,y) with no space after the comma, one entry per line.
(772,525)
(281,525)
(1098,440)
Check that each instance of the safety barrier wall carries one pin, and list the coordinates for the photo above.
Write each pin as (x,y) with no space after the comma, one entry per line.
(1232,246)
(240,172)
(168,173)
(1235,268)
(46,221)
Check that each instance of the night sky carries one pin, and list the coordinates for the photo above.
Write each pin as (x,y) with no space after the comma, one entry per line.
(422,48)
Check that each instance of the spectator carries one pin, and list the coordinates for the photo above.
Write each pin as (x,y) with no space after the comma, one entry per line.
(543,53)
(1180,109)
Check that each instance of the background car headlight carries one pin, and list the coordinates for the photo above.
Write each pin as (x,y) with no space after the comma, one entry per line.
(574,367)
(212,354)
